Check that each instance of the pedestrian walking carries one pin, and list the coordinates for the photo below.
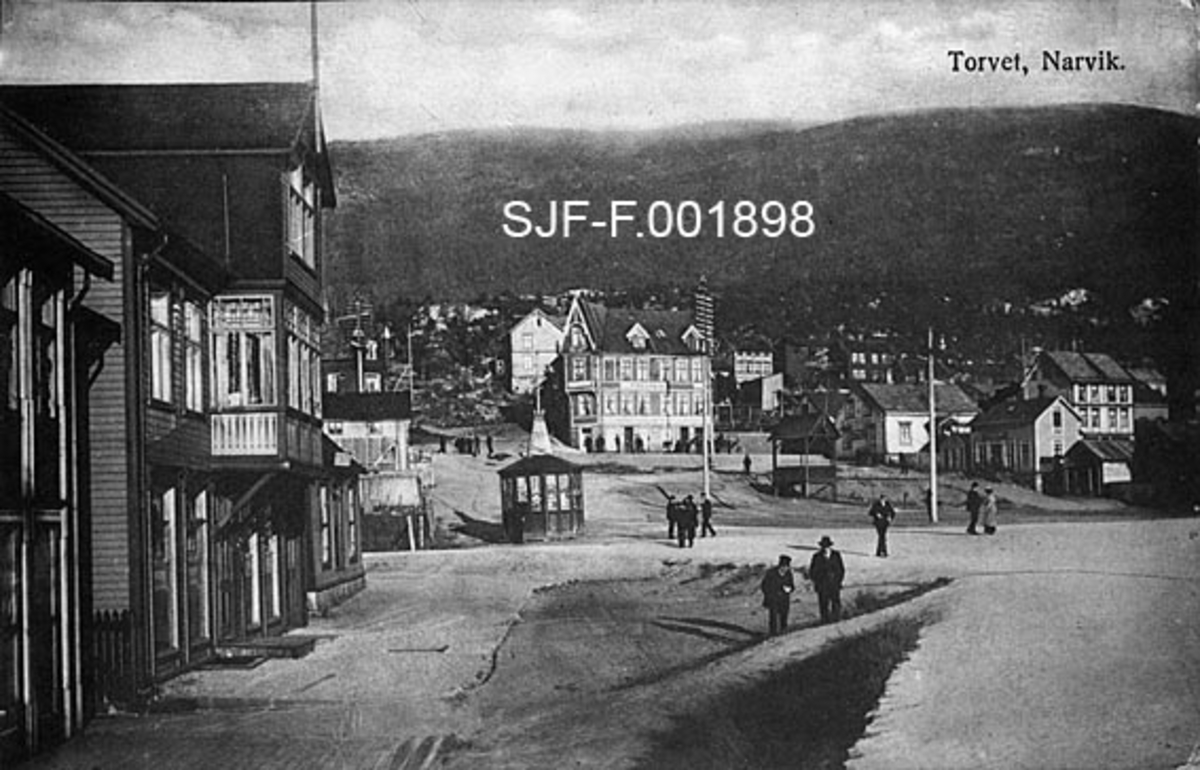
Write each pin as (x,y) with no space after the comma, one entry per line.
(777,586)
(672,516)
(826,571)
(746,463)
(490,446)
(989,511)
(882,515)
(706,527)
(974,502)
(686,528)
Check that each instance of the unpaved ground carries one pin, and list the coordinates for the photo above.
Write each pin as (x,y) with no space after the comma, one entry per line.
(1071,643)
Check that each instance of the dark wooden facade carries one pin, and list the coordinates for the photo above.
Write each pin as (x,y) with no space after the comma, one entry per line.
(209,475)
(53,218)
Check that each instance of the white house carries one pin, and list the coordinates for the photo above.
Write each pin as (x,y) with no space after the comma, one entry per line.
(1025,437)
(890,422)
(534,342)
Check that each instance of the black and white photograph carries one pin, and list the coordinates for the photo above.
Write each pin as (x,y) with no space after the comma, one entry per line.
(647,384)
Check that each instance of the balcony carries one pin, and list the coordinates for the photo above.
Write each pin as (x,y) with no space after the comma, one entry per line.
(245,434)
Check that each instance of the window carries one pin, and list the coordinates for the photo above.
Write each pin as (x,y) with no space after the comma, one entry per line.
(905,433)
(326,533)
(576,338)
(697,370)
(626,369)
(1058,448)
(643,369)
(352,524)
(1095,417)
(254,575)
(372,382)
(193,357)
(1111,392)
(579,368)
(244,351)
(274,595)
(160,346)
(1094,394)
(302,217)
(610,370)
(372,350)
(333,427)
(162,564)
(331,383)
(1123,414)
(1112,418)
(197,568)
(1056,420)
(527,364)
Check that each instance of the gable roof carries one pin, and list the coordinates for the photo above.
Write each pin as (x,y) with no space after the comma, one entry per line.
(609,326)
(829,402)
(539,464)
(1088,367)
(1019,411)
(94,120)
(914,397)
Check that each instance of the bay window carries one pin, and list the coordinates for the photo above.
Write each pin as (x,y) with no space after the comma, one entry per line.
(244,351)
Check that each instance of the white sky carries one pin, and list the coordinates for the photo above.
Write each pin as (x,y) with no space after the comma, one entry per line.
(403,67)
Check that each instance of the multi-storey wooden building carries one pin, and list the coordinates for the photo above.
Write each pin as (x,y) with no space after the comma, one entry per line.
(64,231)
(1098,388)
(534,342)
(214,499)
(635,379)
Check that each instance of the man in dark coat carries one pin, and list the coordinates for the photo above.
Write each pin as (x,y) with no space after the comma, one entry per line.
(672,516)
(882,515)
(974,503)
(706,527)
(777,587)
(688,518)
(826,571)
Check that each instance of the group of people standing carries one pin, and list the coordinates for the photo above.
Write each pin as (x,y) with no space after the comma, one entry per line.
(683,516)
(981,506)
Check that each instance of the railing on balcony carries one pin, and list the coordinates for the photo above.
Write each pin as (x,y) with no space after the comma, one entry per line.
(244,434)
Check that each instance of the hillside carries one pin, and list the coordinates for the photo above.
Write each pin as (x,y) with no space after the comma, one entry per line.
(1007,199)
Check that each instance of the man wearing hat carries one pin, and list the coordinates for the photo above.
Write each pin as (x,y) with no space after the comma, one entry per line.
(777,587)
(826,572)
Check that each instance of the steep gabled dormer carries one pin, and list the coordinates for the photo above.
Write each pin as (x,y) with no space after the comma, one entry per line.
(693,339)
(637,336)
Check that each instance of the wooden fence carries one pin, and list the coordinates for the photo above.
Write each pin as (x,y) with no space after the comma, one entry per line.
(113,677)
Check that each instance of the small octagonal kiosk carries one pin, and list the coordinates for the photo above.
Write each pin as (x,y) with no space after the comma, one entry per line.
(542,499)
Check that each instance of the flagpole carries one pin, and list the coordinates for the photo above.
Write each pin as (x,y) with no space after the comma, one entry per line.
(933,487)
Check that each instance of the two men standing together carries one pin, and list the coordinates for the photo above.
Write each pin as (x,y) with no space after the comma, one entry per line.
(826,571)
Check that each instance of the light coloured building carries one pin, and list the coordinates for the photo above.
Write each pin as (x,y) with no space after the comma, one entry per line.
(891,422)
(1097,387)
(1025,437)
(534,343)
(634,379)
(752,364)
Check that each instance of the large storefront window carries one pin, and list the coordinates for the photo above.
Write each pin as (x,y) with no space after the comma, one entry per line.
(199,622)
(163,561)
(244,354)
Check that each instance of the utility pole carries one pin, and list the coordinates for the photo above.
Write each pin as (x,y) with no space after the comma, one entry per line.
(933,487)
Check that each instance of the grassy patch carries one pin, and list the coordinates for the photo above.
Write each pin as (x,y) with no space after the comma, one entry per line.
(806,716)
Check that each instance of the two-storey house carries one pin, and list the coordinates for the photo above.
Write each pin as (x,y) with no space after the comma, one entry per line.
(61,227)
(1025,437)
(635,380)
(534,343)
(214,497)
(1098,388)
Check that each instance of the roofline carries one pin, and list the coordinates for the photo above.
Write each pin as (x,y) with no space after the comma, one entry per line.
(74,166)
(187,152)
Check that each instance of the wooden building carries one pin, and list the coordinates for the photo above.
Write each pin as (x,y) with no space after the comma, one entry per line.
(541,499)
(210,480)
(57,219)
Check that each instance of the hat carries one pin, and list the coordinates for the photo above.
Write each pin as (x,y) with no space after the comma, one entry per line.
(825,541)
(785,559)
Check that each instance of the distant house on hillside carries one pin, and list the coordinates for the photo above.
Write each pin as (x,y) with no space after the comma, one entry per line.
(890,423)
(634,379)
(534,342)
(837,406)
(1027,438)
(1098,388)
